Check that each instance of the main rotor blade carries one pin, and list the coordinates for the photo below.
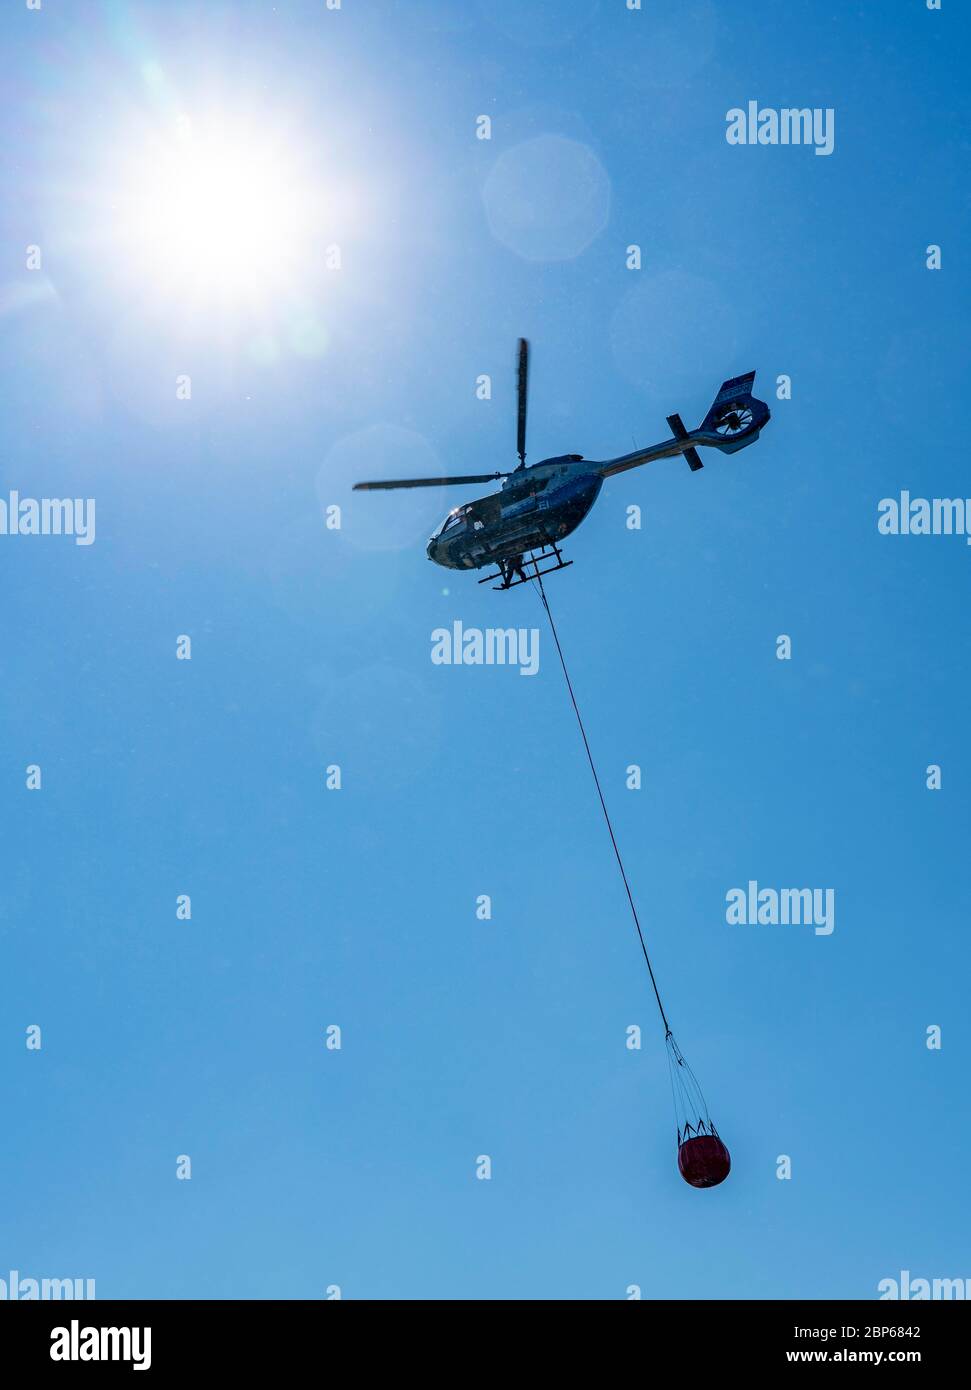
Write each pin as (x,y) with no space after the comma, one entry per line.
(430,482)
(522,375)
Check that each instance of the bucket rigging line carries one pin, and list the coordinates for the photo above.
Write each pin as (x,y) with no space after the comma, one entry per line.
(603,807)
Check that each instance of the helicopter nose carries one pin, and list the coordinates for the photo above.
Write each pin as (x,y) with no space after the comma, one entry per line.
(439,553)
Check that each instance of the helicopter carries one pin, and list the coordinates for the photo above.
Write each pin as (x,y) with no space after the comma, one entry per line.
(518,528)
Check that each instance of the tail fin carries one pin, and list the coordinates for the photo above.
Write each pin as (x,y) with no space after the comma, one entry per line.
(735,417)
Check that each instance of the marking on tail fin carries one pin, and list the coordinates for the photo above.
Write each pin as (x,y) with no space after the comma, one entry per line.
(738,386)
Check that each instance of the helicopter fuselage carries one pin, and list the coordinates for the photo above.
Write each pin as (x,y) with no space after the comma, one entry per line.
(536,506)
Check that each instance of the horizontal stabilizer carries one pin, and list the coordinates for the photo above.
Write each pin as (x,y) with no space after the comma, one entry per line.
(676,426)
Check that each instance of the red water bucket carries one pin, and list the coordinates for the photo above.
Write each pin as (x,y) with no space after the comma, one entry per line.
(704,1161)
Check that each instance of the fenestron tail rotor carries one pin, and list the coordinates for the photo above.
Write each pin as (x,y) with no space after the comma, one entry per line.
(522,386)
(429,482)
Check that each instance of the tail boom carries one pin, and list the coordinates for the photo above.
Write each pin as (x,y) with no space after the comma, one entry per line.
(734,420)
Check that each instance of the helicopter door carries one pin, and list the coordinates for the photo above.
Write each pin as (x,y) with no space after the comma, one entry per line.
(483,513)
(522,504)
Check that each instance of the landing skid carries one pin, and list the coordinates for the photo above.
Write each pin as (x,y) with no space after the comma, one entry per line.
(522,571)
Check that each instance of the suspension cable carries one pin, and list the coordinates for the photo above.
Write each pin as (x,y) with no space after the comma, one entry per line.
(603,806)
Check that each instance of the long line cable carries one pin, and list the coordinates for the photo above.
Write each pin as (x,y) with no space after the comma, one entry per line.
(603,805)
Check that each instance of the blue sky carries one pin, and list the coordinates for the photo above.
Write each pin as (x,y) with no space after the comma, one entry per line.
(313,1168)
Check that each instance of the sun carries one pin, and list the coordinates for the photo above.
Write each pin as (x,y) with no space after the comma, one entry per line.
(219,211)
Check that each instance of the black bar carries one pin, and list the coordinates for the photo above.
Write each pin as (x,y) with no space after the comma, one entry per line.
(255,1336)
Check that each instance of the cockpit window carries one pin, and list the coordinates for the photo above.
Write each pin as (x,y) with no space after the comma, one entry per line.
(453,520)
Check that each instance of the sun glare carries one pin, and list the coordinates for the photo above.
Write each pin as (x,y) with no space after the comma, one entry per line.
(219,213)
